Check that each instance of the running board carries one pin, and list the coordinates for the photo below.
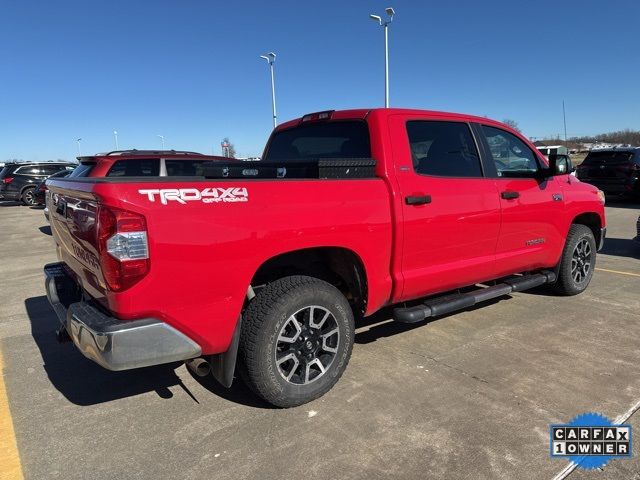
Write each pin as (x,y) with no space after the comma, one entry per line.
(460,301)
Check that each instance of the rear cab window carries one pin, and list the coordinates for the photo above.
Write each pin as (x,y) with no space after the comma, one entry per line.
(333,139)
(135,167)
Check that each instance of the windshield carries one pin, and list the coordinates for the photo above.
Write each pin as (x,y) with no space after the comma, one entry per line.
(342,139)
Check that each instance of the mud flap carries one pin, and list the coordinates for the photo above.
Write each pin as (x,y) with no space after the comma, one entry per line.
(223,364)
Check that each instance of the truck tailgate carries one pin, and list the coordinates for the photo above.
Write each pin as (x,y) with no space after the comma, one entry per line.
(73,216)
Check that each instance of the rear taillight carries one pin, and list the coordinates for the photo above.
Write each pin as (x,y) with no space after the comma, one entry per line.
(42,188)
(7,180)
(123,247)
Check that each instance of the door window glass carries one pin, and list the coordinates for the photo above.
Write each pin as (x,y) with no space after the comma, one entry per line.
(443,149)
(512,157)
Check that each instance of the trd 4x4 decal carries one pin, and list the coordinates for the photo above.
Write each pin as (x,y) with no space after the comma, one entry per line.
(207,195)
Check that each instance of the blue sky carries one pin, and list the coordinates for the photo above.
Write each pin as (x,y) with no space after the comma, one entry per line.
(190,70)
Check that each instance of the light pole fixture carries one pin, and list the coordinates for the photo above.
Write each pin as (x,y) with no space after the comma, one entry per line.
(161,137)
(115,135)
(270,58)
(390,12)
(78,140)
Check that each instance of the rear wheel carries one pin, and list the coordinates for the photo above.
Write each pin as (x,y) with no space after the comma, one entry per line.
(296,340)
(28,196)
(577,262)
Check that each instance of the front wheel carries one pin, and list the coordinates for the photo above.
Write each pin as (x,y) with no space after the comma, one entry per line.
(296,340)
(578,261)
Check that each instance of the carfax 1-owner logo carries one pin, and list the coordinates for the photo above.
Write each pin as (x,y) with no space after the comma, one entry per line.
(590,440)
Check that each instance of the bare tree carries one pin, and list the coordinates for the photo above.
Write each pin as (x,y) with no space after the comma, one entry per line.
(512,123)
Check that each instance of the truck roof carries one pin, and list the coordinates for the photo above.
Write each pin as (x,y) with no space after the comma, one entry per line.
(362,113)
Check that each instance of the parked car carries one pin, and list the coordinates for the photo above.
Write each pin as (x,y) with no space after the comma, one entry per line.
(18,180)
(268,263)
(613,170)
(143,163)
(41,188)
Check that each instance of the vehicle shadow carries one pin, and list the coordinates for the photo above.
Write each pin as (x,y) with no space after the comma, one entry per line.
(46,229)
(384,325)
(84,383)
(621,247)
(238,392)
(9,203)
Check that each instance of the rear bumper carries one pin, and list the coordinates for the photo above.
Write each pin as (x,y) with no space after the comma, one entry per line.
(9,196)
(115,344)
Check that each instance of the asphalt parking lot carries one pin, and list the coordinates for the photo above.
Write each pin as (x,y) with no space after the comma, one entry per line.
(467,396)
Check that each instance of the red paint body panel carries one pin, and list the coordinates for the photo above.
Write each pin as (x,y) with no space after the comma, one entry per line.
(204,255)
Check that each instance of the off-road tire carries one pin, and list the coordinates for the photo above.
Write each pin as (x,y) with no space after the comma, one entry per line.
(263,321)
(567,283)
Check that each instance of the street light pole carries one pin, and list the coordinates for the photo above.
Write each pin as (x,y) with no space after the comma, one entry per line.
(161,138)
(115,135)
(78,142)
(390,12)
(270,58)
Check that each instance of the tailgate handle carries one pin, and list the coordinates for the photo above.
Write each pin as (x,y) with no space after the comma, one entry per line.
(508,195)
(417,200)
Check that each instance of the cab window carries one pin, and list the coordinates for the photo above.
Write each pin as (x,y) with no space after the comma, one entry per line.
(443,149)
(511,156)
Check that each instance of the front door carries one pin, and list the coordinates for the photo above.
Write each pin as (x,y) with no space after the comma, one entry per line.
(532,204)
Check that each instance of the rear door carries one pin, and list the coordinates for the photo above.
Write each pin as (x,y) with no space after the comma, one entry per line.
(532,205)
(450,211)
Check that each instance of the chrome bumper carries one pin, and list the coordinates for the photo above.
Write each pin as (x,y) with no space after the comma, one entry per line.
(115,344)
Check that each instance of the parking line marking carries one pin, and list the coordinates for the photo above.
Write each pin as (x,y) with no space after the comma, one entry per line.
(618,271)
(10,466)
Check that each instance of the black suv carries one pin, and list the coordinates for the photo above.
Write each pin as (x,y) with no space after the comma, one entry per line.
(613,170)
(18,180)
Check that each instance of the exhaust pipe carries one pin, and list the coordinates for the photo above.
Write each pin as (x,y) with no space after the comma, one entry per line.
(199,366)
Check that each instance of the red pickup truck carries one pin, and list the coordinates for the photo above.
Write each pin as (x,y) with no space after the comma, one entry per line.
(266,264)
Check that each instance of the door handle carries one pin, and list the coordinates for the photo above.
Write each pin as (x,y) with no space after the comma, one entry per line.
(417,200)
(508,195)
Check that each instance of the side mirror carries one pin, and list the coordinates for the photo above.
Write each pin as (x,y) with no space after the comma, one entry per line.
(558,165)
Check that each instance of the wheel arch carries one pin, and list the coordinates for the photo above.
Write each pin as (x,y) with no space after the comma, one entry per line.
(338,266)
(591,220)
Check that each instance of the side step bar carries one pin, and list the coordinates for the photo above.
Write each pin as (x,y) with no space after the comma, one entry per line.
(459,301)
